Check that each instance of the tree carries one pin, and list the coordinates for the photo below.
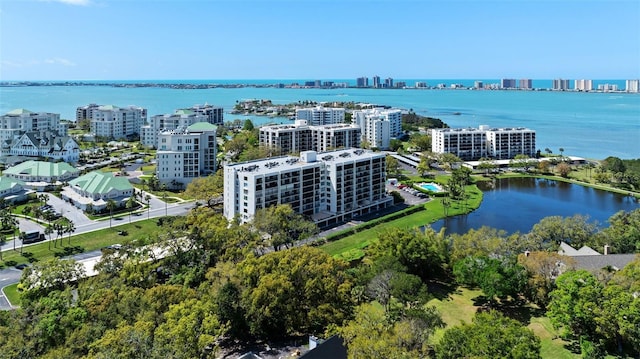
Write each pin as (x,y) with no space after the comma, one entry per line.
(111,205)
(574,304)
(54,274)
(614,164)
(420,142)
(561,149)
(147,198)
(497,278)
(542,270)
(70,227)
(282,225)
(490,335)
(300,290)
(487,165)
(371,334)
(248,125)
(393,166)
(575,230)
(48,230)
(563,169)
(543,166)
(130,205)
(423,253)
(208,189)
(448,159)
(423,166)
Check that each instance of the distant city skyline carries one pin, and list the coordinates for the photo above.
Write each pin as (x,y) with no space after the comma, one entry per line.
(330,39)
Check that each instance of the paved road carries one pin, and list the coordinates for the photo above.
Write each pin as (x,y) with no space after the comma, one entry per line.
(7,277)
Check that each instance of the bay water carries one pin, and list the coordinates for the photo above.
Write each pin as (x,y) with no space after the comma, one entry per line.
(592,125)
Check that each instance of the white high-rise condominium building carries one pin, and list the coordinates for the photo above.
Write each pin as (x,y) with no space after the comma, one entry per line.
(179,119)
(15,123)
(329,188)
(293,139)
(506,143)
(466,143)
(378,126)
(525,84)
(115,122)
(471,144)
(560,85)
(632,86)
(583,85)
(186,153)
(320,115)
(287,138)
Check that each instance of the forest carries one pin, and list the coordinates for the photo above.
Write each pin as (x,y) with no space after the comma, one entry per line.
(223,287)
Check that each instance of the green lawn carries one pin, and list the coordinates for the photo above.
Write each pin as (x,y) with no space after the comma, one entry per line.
(352,247)
(12,294)
(89,241)
(459,307)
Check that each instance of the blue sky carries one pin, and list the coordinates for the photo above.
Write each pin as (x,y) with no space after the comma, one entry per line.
(330,39)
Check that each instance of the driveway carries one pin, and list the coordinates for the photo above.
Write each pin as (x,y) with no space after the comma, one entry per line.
(68,210)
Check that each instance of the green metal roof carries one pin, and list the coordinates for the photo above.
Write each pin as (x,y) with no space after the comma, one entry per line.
(41,169)
(8,183)
(202,126)
(97,182)
(20,111)
(184,111)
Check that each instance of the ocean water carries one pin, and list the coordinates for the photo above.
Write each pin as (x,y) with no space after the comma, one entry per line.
(591,125)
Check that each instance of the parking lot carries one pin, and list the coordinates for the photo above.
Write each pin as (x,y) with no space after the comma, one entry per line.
(68,210)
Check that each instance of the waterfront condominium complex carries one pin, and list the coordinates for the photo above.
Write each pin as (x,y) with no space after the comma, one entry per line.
(113,122)
(632,86)
(186,153)
(362,82)
(583,85)
(292,139)
(560,85)
(471,144)
(19,121)
(320,115)
(179,119)
(378,126)
(329,188)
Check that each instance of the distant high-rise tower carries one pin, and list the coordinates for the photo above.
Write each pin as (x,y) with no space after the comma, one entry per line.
(376,82)
(560,85)
(632,86)
(388,82)
(478,85)
(525,84)
(362,82)
(583,85)
(508,83)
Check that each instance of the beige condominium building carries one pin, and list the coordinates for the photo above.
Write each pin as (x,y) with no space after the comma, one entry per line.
(470,144)
(299,137)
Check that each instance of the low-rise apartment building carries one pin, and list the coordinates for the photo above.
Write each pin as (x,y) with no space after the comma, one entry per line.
(329,188)
(186,153)
(96,188)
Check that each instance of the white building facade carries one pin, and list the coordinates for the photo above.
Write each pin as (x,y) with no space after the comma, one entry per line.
(471,144)
(294,139)
(16,122)
(113,122)
(378,126)
(45,144)
(320,115)
(583,85)
(632,86)
(186,153)
(328,188)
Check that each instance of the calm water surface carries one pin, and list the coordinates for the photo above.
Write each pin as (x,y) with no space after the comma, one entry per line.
(517,204)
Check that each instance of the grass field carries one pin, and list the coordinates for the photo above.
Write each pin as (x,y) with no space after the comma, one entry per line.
(459,307)
(352,247)
(88,241)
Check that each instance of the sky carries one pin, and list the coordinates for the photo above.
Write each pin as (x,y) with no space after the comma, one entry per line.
(329,39)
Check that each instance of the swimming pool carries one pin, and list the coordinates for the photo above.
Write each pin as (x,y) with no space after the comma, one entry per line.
(433,187)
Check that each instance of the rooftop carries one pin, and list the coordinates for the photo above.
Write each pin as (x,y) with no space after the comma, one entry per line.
(41,169)
(9,183)
(97,182)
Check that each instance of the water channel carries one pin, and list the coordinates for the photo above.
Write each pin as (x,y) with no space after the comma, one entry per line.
(516,204)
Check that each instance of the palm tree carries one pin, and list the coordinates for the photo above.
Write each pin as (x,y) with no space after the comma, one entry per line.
(148,199)
(70,227)
(131,202)
(111,205)
(49,231)
(60,229)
